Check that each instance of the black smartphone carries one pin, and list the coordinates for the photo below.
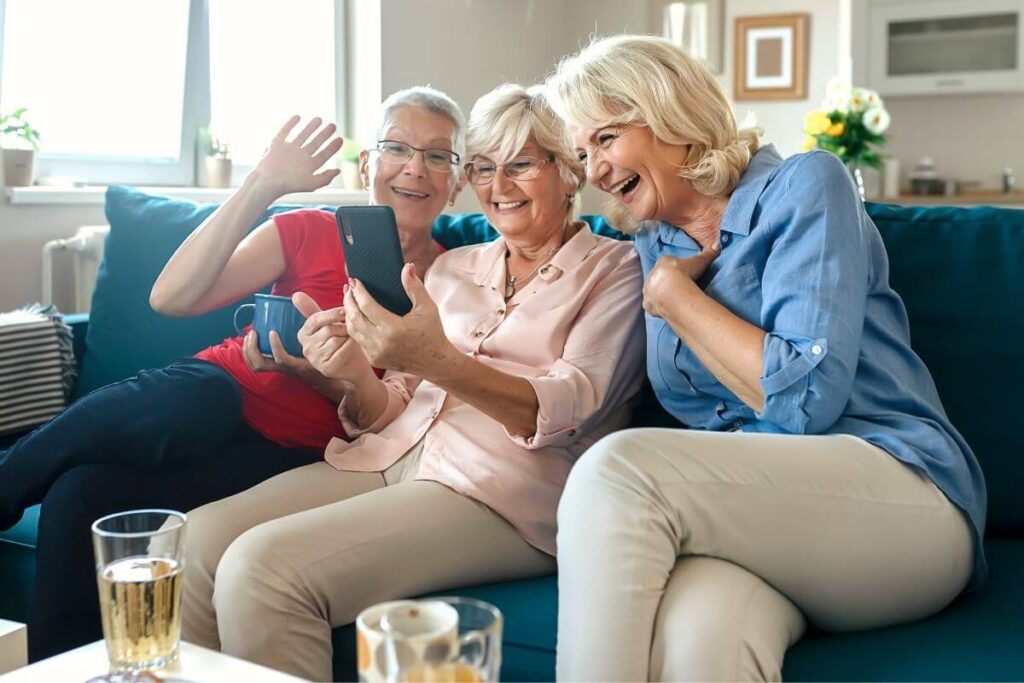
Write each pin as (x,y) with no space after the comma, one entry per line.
(373,253)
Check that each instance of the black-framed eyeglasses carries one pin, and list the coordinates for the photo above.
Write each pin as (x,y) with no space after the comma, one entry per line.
(482,171)
(394,152)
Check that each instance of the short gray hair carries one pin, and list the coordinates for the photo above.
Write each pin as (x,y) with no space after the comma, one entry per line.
(429,99)
(504,119)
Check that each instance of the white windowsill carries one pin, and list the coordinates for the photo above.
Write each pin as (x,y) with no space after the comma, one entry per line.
(94,194)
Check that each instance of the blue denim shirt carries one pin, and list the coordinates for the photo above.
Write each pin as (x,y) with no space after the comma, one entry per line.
(802,260)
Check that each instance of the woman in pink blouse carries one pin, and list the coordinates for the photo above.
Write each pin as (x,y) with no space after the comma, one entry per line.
(516,357)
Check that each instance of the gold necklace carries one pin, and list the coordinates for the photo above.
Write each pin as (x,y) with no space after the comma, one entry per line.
(511,280)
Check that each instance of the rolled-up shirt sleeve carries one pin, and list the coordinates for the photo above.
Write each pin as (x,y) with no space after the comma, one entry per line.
(400,387)
(601,365)
(814,298)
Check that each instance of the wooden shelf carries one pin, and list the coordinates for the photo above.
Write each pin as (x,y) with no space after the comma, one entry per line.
(965,198)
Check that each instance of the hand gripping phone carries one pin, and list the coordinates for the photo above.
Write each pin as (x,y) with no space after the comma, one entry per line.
(373,253)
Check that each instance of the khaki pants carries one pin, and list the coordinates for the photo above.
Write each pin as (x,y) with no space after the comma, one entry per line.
(688,555)
(272,570)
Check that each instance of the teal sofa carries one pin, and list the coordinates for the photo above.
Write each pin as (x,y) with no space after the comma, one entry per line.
(960,272)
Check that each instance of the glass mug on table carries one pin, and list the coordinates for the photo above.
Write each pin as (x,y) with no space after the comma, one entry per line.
(139,563)
(472,654)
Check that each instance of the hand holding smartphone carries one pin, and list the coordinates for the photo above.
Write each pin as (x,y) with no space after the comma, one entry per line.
(373,253)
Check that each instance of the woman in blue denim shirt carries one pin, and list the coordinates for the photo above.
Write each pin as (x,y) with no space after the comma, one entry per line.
(819,479)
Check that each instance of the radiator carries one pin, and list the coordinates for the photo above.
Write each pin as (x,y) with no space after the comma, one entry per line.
(86,248)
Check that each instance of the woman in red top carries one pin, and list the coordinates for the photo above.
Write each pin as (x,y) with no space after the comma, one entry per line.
(210,426)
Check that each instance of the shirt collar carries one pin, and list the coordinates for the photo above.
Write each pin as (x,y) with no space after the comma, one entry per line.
(739,212)
(570,255)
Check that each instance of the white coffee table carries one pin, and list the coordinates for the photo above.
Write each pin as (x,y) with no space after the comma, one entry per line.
(13,646)
(194,664)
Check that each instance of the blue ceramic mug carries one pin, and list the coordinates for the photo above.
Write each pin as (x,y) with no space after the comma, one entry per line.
(274,313)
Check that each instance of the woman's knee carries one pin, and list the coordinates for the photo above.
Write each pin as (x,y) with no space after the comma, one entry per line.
(254,575)
(718,621)
(614,472)
(210,531)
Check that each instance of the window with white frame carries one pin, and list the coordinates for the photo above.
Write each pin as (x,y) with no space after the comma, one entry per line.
(120,89)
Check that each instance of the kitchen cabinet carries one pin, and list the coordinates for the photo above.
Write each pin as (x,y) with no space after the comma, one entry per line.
(928,47)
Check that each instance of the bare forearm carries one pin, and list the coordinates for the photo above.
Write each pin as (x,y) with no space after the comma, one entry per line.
(730,347)
(509,399)
(366,398)
(332,389)
(199,261)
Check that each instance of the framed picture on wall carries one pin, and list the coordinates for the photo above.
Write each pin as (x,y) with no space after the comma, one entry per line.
(770,57)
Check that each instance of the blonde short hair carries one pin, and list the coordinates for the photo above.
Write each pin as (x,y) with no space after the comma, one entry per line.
(503,120)
(650,81)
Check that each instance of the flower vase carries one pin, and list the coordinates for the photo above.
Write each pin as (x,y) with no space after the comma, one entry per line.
(858,178)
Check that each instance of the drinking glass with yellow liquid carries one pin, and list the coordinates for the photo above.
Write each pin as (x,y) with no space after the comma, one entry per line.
(139,563)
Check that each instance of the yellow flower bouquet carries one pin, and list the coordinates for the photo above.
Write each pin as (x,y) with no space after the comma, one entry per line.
(850,123)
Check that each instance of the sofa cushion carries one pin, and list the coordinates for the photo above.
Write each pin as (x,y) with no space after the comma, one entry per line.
(977,638)
(959,271)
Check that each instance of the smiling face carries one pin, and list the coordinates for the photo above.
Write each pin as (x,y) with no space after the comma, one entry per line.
(632,165)
(416,192)
(526,209)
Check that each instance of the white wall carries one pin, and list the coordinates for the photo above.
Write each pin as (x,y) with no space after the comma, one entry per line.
(23,232)
(970,137)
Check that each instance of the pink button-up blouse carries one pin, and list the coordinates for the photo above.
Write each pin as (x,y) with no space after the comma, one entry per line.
(575,332)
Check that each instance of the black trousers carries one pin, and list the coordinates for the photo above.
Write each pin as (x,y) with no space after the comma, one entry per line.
(170,438)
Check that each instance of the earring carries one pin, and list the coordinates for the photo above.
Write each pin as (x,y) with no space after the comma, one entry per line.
(451,202)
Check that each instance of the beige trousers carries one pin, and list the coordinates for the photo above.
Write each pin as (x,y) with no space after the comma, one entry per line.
(272,570)
(687,555)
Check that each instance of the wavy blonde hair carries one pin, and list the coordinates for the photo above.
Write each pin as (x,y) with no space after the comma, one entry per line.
(503,120)
(650,81)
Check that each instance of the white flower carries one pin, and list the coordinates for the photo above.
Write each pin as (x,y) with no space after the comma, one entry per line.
(877,120)
(859,99)
(837,94)
(872,99)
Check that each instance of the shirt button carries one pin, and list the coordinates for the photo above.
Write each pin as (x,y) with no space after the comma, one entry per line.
(478,334)
(725,239)
(500,311)
(572,432)
(816,349)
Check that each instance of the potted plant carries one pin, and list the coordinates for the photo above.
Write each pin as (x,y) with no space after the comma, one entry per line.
(349,165)
(851,124)
(20,142)
(213,161)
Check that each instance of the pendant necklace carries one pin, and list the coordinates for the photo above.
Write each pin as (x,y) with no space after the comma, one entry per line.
(512,280)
